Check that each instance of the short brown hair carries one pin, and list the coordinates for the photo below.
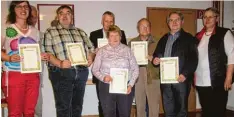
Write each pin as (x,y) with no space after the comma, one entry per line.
(175,12)
(63,7)
(114,28)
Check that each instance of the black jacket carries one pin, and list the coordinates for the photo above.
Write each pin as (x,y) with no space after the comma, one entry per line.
(185,49)
(99,34)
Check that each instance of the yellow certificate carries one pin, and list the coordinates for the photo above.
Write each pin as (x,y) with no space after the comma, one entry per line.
(76,53)
(102,42)
(140,50)
(169,70)
(120,80)
(31,62)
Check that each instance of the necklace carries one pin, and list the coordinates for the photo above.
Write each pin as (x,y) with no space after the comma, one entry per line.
(209,33)
(24,29)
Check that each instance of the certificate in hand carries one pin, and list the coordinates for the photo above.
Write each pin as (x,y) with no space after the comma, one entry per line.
(119,80)
(140,50)
(169,70)
(102,42)
(31,62)
(76,54)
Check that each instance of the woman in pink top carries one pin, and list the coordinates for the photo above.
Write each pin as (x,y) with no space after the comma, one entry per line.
(115,55)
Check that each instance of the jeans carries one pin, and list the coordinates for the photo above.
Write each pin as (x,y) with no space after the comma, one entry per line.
(175,99)
(69,88)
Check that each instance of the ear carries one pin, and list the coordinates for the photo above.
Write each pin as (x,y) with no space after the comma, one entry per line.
(182,22)
(217,19)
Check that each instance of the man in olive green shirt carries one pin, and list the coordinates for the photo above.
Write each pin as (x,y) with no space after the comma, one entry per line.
(148,84)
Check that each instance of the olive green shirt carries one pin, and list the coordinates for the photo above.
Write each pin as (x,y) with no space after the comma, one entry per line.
(152,71)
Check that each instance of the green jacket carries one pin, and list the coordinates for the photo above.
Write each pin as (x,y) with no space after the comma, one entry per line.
(152,72)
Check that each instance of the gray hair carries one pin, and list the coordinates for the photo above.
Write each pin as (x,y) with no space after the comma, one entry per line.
(214,10)
(175,12)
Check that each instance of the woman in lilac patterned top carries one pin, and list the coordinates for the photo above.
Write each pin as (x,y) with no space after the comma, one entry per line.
(115,55)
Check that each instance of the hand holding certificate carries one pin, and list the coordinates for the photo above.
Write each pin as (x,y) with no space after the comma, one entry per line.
(102,42)
(76,54)
(119,80)
(169,70)
(140,50)
(31,62)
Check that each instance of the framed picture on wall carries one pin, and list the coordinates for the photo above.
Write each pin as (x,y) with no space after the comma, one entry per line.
(47,14)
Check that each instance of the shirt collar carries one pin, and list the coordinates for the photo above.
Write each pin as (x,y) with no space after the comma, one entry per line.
(150,39)
(59,26)
(176,35)
(115,48)
(104,33)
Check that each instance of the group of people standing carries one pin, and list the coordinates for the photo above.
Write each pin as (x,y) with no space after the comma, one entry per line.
(207,59)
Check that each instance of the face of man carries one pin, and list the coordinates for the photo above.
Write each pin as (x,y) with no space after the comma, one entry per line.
(22,11)
(175,23)
(34,16)
(65,17)
(144,28)
(107,21)
(209,19)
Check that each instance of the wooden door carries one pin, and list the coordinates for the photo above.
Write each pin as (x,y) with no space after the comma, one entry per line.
(157,17)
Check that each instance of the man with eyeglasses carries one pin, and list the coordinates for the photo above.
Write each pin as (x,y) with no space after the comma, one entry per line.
(177,43)
(68,81)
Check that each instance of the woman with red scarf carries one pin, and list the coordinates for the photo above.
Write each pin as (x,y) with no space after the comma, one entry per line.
(214,73)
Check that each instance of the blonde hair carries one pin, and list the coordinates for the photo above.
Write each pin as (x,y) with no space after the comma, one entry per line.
(114,28)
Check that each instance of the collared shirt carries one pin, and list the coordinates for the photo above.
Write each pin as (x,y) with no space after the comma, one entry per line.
(170,41)
(203,70)
(115,57)
(55,39)
(104,34)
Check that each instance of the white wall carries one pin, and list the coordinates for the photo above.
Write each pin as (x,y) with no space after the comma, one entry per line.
(228,23)
(88,14)
(88,17)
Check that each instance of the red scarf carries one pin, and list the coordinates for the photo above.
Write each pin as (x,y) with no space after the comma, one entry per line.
(202,32)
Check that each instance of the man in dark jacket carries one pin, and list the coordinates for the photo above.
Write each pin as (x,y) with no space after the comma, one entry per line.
(108,19)
(177,43)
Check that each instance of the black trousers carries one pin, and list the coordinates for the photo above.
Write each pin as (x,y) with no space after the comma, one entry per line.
(112,102)
(69,88)
(175,99)
(100,111)
(213,101)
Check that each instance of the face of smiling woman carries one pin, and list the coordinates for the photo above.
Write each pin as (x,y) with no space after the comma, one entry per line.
(22,11)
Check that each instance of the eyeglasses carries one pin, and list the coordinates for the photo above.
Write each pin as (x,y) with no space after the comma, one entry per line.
(26,7)
(175,20)
(144,26)
(210,17)
(68,13)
